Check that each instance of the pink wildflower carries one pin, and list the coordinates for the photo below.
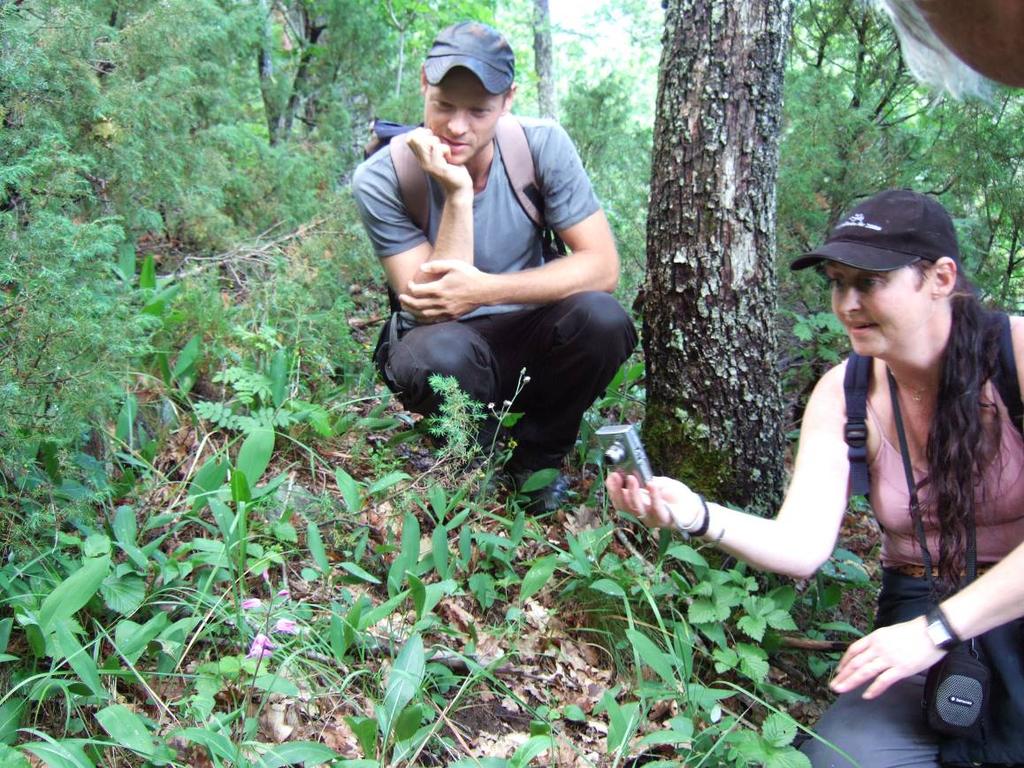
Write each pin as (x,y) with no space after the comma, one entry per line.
(251,602)
(261,647)
(287,626)
(284,594)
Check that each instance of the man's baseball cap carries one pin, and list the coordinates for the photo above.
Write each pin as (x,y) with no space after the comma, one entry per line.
(479,48)
(887,231)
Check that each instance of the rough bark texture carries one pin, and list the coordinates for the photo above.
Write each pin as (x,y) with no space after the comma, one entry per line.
(542,59)
(714,405)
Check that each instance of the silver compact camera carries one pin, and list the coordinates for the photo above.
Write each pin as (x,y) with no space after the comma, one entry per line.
(623,451)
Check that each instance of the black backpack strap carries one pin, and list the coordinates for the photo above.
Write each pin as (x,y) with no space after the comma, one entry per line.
(1006,380)
(855,387)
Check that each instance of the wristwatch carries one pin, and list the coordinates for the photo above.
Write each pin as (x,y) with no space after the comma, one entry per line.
(939,629)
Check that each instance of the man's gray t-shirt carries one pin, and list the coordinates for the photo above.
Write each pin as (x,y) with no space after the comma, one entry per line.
(504,237)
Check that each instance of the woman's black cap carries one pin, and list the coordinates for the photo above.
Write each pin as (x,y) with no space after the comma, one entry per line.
(887,231)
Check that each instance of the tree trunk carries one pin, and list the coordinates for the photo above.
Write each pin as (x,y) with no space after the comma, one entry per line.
(265,67)
(542,60)
(714,404)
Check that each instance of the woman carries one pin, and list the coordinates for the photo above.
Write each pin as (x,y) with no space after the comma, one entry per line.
(897,287)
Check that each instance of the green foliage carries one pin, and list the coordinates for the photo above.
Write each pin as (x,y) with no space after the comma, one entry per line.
(615,148)
(458,420)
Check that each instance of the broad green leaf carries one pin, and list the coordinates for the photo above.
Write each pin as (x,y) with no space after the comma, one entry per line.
(439,548)
(276,684)
(126,261)
(575,713)
(687,554)
(240,492)
(534,747)
(60,754)
(254,455)
(705,612)
(147,276)
(125,430)
(158,303)
(408,722)
(217,743)
(753,626)
(11,712)
(12,758)
(81,662)
(418,593)
(131,639)
(622,721)
(279,377)
(382,611)
(779,729)
(359,573)
(365,729)
(789,758)
(96,545)
(483,588)
(540,479)
(285,532)
(73,593)
(608,587)
(436,592)
(403,683)
(306,753)
(672,736)
(208,479)
(5,630)
(185,366)
(389,480)
(339,636)
(535,579)
(753,662)
(225,520)
(651,655)
(123,594)
(315,544)
(126,728)
(350,490)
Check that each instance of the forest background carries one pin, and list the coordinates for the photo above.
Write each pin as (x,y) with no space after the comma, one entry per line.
(225,544)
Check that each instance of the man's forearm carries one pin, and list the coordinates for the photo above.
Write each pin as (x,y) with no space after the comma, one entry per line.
(573,273)
(455,232)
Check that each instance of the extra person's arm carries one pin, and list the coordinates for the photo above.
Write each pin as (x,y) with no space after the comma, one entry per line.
(801,537)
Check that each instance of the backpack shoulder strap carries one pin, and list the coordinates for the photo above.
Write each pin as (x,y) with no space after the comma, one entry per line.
(412,181)
(519,167)
(855,388)
(1006,380)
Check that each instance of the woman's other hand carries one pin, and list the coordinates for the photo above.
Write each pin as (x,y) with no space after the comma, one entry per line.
(886,656)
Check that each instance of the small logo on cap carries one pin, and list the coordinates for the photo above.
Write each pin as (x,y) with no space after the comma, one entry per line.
(857,220)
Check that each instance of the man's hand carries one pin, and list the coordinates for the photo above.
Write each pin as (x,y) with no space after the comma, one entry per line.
(886,656)
(433,156)
(445,289)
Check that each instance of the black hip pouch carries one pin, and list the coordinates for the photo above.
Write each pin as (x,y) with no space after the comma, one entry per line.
(956,694)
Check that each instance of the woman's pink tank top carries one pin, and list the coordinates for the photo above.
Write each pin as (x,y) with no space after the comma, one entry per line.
(1000,515)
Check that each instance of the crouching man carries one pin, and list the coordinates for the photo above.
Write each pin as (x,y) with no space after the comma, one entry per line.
(480,298)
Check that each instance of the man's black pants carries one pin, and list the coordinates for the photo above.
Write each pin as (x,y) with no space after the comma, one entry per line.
(570,349)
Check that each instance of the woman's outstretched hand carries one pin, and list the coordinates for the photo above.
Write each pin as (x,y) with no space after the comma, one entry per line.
(886,656)
(663,503)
